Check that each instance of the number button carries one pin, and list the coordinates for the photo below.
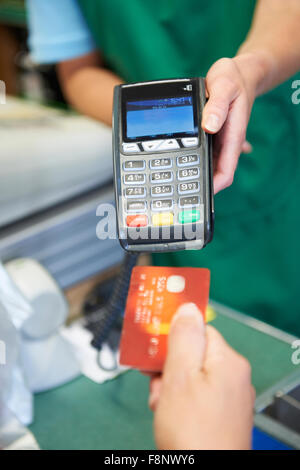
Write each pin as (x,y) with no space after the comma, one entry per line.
(189,201)
(188,188)
(187,160)
(161,177)
(162,205)
(160,163)
(135,192)
(134,165)
(188,174)
(136,206)
(134,179)
(157,191)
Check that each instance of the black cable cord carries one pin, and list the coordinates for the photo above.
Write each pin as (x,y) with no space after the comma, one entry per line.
(116,304)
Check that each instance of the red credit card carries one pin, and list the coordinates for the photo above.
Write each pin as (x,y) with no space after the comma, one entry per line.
(155,293)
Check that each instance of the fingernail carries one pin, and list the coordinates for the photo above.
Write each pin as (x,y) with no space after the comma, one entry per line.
(189,310)
(211,123)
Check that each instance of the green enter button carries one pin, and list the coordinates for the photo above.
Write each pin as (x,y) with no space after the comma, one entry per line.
(188,217)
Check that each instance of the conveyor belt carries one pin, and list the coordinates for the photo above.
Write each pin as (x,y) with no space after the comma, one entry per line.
(64,239)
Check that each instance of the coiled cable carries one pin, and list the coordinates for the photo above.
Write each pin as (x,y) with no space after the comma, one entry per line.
(116,304)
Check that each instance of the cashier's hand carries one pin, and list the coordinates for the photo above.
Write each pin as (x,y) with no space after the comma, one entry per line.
(231,93)
(204,399)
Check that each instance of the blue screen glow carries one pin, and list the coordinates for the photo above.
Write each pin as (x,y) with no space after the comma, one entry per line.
(160,116)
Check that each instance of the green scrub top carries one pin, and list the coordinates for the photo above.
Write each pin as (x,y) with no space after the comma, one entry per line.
(254,256)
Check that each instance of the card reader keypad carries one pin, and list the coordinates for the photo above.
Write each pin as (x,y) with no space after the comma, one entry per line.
(160,163)
(189,201)
(162,204)
(135,192)
(134,165)
(136,206)
(159,145)
(189,188)
(161,176)
(159,191)
(170,181)
(187,160)
(188,174)
(137,178)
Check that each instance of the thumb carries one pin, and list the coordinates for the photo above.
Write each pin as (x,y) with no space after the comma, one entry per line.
(222,92)
(186,342)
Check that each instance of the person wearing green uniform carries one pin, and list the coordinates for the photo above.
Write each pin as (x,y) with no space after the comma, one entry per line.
(249,52)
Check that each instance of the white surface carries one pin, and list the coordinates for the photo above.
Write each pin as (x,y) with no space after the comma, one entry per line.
(80,338)
(49,306)
(48,156)
(47,359)
(13,435)
(49,362)
(190,141)
(151,145)
(168,144)
(131,148)
(14,390)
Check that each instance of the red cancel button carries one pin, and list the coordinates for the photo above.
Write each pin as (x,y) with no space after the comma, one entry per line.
(138,220)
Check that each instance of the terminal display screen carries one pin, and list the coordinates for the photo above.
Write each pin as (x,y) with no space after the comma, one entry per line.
(167,116)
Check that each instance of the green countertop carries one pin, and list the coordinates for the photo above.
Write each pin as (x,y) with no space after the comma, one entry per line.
(115,415)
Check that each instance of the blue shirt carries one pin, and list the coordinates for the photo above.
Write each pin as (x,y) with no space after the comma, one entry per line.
(58,31)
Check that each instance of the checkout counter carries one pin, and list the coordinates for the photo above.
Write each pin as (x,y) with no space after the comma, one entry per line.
(115,414)
(56,168)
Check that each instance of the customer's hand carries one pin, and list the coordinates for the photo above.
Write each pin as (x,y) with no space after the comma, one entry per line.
(204,399)
(231,87)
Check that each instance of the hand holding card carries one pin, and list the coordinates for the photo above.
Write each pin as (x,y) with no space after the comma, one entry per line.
(155,293)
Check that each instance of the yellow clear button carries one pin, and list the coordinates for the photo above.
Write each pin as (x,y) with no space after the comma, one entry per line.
(162,218)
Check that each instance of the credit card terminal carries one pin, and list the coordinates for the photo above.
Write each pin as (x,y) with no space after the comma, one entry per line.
(162,166)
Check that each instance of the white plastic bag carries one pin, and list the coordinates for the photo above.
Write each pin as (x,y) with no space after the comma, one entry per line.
(13,435)
(14,391)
